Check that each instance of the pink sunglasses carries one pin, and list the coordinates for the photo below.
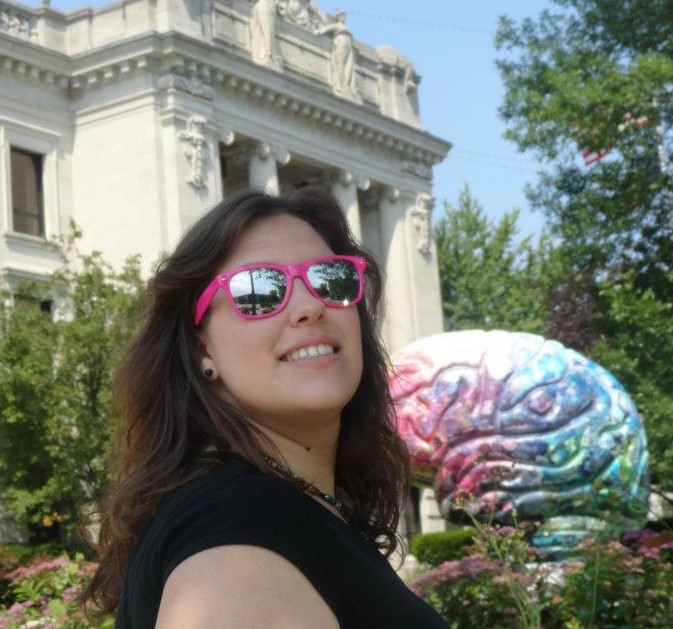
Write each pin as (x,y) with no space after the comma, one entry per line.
(258,291)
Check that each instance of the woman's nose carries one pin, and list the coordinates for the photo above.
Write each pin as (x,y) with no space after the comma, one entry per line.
(303,307)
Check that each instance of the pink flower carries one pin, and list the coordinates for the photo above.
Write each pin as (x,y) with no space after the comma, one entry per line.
(19,607)
(45,566)
(71,594)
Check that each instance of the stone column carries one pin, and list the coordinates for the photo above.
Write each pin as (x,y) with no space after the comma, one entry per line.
(263,171)
(399,323)
(345,190)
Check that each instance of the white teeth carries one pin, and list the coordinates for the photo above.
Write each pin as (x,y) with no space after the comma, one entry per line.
(310,352)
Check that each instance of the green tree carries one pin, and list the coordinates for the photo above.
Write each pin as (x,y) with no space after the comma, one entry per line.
(489,280)
(28,347)
(636,342)
(598,76)
(55,377)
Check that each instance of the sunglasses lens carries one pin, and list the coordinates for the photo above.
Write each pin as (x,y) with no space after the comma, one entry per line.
(259,291)
(336,281)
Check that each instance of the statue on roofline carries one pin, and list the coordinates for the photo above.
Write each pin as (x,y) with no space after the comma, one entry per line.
(342,61)
(263,34)
(302,13)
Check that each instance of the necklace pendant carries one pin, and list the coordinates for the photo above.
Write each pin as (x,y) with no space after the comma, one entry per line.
(306,487)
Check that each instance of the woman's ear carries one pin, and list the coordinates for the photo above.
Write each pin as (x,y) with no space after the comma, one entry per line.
(207,364)
(208,368)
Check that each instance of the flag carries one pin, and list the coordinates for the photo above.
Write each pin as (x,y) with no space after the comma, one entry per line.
(591,157)
(630,122)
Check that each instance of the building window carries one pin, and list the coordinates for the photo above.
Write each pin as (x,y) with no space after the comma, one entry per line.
(27,197)
(44,305)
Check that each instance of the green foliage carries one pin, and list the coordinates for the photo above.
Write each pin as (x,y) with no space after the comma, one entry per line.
(435,548)
(55,376)
(636,343)
(609,585)
(574,79)
(467,593)
(47,593)
(28,349)
(488,280)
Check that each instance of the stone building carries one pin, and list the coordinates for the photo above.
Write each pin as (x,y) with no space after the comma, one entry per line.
(134,119)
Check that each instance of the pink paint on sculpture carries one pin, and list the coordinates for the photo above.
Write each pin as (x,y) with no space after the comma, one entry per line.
(508,422)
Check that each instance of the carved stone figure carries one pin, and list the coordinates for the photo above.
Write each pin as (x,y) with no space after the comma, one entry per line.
(342,62)
(196,144)
(421,214)
(297,11)
(263,34)
(508,424)
(302,13)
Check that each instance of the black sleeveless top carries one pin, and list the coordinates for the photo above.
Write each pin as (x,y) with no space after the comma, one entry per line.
(237,504)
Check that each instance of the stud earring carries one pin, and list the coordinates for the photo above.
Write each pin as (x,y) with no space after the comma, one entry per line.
(208,373)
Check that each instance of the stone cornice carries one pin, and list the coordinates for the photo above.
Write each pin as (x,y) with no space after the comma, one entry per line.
(185,59)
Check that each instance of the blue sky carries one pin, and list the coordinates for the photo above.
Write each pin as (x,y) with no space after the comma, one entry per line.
(450,43)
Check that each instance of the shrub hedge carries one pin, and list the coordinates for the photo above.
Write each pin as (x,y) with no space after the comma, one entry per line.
(435,548)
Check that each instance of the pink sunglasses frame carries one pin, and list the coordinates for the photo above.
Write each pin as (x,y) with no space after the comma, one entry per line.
(290,271)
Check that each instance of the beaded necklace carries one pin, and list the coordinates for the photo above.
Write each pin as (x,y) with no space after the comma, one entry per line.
(307,487)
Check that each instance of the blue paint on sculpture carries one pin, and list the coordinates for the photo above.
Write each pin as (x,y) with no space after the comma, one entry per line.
(509,422)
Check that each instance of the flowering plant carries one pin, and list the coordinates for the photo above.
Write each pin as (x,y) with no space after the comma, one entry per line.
(503,583)
(46,594)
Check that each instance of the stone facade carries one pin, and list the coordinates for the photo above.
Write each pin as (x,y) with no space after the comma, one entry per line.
(134,119)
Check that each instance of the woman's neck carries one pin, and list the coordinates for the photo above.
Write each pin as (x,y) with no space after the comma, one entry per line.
(313,458)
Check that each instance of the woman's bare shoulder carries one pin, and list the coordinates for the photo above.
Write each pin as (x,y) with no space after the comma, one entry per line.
(241,586)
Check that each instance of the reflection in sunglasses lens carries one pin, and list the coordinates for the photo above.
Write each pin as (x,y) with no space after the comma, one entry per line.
(261,290)
(258,291)
(334,280)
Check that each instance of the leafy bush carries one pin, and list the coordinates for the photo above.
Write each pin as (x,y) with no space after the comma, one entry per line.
(435,548)
(469,592)
(13,556)
(55,375)
(46,594)
(605,584)
(614,585)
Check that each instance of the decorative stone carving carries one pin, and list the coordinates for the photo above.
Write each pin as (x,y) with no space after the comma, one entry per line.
(192,85)
(375,195)
(265,150)
(392,62)
(263,47)
(195,150)
(342,60)
(348,178)
(262,150)
(227,137)
(302,13)
(391,193)
(418,169)
(410,79)
(16,22)
(421,215)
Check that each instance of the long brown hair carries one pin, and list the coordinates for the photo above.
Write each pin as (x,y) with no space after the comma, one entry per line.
(169,413)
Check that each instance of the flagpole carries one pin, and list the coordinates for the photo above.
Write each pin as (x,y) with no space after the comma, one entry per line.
(661,144)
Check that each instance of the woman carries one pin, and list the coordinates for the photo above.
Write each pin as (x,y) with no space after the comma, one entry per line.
(259,472)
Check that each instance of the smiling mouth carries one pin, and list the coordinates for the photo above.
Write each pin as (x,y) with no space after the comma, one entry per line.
(311,351)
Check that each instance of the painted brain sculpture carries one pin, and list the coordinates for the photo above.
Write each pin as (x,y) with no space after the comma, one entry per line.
(503,423)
